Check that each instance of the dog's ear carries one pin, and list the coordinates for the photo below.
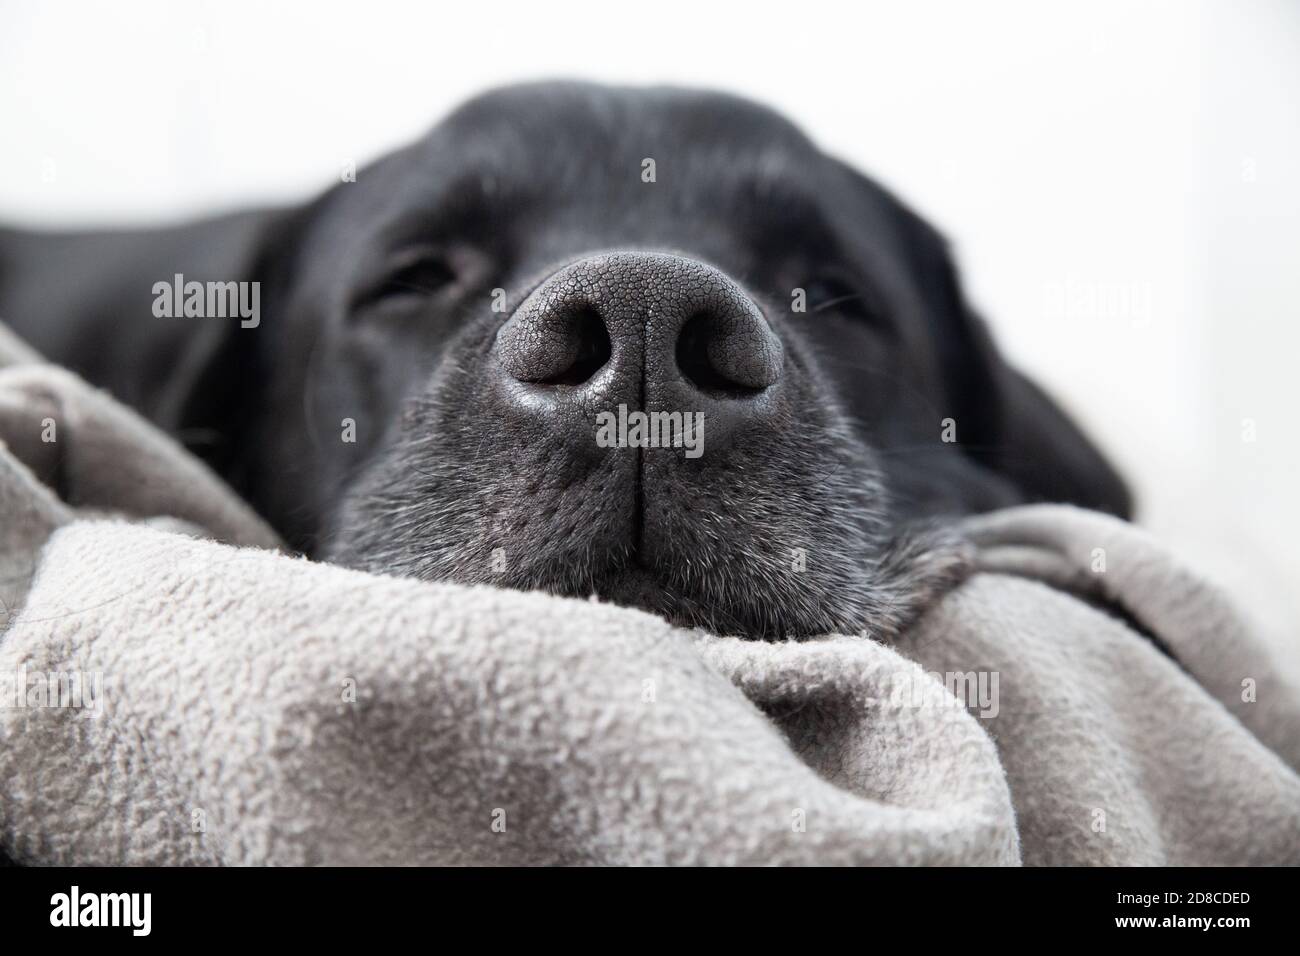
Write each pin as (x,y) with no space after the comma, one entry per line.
(111,306)
(1004,421)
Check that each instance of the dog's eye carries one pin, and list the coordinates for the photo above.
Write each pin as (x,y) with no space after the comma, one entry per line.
(833,294)
(416,275)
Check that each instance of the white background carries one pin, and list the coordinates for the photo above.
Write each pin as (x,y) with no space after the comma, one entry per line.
(1121,180)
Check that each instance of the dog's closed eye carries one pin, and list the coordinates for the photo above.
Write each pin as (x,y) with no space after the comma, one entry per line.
(831,293)
(827,293)
(416,274)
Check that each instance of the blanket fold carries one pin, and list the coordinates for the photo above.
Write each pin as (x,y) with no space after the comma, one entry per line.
(238,705)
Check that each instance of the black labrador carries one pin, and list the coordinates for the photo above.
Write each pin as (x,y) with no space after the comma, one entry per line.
(437,345)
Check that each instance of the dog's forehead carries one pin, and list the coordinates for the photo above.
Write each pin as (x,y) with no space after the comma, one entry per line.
(611,112)
(538,131)
(560,167)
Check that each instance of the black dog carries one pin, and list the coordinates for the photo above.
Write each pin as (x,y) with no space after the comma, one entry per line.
(469,306)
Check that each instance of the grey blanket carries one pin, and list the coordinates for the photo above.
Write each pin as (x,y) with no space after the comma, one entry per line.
(175,690)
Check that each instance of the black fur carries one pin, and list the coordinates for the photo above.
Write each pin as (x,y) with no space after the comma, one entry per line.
(377,307)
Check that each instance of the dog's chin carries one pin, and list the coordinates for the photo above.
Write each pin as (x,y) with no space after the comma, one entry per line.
(760,602)
(840,568)
(910,577)
(748,611)
(887,590)
(862,585)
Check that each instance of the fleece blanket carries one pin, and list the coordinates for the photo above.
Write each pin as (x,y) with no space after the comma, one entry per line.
(175,690)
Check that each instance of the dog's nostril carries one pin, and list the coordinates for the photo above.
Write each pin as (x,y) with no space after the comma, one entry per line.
(591,349)
(562,347)
(728,355)
(693,357)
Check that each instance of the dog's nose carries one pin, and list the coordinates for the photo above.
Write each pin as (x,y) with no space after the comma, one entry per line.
(646,329)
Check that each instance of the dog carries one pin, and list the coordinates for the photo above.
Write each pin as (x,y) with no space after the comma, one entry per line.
(438,339)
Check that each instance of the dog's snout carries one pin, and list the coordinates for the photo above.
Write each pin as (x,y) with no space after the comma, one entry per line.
(639,327)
